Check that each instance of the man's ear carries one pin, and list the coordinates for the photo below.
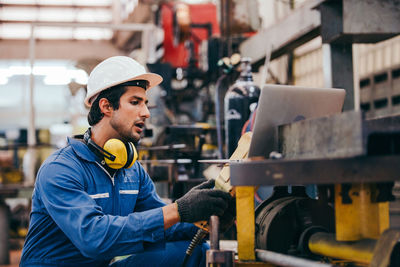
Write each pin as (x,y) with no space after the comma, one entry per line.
(105,107)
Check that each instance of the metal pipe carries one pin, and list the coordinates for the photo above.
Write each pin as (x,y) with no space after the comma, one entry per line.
(31,128)
(358,251)
(214,233)
(30,155)
(285,260)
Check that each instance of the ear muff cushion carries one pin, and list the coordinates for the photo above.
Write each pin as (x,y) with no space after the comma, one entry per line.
(132,155)
(118,149)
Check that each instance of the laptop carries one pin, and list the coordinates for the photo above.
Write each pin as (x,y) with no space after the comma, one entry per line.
(284,104)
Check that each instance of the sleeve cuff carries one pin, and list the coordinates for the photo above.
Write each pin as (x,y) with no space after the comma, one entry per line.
(152,225)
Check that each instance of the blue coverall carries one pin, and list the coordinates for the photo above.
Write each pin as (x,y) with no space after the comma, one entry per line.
(82,216)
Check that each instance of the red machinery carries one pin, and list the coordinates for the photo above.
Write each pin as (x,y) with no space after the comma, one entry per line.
(183,22)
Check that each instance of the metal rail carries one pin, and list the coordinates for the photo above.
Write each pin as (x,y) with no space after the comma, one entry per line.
(287,261)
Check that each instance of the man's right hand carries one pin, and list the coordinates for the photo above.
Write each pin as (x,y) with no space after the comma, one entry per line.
(201,202)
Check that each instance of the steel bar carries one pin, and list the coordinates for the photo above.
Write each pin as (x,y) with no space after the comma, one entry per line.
(217,161)
(214,232)
(166,147)
(30,156)
(287,261)
(31,127)
(338,70)
(325,244)
(215,256)
(366,169)
(166,161)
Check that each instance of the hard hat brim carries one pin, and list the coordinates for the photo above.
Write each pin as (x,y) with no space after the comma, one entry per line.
(153,79)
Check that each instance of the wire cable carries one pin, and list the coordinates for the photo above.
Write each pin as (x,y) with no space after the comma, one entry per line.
(193,244)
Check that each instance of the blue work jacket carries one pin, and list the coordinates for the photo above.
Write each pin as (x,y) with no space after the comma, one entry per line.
(83,216)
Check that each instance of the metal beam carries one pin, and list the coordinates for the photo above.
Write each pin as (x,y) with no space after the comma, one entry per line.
(122,27)
(316,171)
(341,135)
(354,21)
(58,49)
(41,6)
(338,70)
(298,28)
(126,40)
(12,21)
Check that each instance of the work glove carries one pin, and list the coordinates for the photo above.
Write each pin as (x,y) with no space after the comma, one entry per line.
(228,218)
(201,202)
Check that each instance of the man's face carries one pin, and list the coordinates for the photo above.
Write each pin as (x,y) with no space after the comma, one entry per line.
(128,120)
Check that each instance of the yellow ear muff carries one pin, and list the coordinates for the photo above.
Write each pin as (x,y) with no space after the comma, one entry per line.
(125,154)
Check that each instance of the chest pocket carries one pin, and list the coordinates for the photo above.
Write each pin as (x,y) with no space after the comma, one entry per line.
(101,193)
(103,200)
(128,194)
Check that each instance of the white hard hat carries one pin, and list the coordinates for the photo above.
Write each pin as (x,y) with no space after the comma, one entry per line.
(114,71)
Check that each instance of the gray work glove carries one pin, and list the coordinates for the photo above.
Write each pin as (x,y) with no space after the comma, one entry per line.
(228,218)
(201,202)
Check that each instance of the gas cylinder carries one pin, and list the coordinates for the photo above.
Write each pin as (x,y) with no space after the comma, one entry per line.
(240,100)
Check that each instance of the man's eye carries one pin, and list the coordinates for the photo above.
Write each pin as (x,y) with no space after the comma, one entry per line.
(135,102)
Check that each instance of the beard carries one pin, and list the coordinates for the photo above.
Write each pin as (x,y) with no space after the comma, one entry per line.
(126,133)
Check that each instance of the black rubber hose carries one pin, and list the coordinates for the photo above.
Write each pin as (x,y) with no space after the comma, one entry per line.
(198,237)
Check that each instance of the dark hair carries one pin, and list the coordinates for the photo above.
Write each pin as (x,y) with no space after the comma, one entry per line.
(113,94)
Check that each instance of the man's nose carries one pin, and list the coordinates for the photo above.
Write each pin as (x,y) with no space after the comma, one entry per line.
(145,113)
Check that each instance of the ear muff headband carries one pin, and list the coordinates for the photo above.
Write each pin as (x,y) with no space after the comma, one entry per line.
(95,148)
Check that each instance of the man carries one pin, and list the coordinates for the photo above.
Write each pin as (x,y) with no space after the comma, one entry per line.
(86,211)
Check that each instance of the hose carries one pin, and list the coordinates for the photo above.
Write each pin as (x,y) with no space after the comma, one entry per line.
(198,237)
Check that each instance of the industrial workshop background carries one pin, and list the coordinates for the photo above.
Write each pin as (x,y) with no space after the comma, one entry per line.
(202,48)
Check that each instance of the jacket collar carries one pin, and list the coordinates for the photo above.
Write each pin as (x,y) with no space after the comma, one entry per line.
(82,150)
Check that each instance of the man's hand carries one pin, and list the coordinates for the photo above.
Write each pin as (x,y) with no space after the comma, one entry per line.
(228,218)
(201,202)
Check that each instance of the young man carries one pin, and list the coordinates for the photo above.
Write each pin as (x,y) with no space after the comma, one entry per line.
(88,207)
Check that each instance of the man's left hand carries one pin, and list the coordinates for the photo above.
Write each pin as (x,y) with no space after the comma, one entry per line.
(228,218)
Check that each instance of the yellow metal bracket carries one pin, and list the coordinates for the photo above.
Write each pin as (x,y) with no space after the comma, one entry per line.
(361,218)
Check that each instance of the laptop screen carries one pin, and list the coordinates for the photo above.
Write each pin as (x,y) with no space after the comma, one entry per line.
(283,104)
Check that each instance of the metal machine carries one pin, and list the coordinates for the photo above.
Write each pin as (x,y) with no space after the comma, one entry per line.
(354,167)
(352,161)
